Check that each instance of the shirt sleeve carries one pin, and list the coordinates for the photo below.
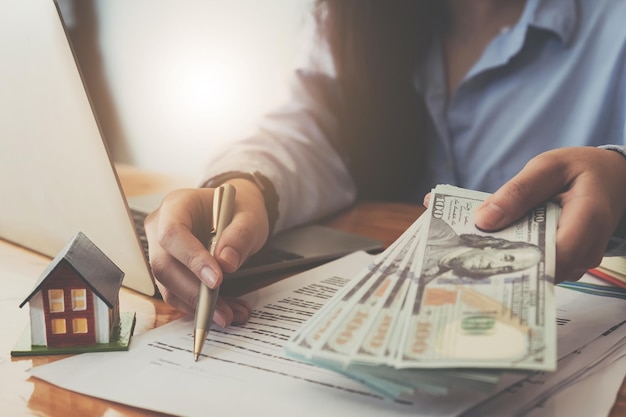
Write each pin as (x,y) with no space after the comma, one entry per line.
(617,148)
(290,145)
(617,244)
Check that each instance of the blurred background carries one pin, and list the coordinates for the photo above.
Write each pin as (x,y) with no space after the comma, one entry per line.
(172,79)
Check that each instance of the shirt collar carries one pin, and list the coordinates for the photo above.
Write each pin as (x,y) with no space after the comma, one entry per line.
(557,16)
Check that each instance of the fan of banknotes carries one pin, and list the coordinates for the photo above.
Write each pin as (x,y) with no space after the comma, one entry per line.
(446,306)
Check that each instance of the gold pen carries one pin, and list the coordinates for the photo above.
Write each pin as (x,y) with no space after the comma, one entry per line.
(223,206)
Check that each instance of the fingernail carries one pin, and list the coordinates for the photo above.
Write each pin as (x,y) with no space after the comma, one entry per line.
(230,256)
(238,317)
(208,276)
(219,320)
(241,314)
(489,217)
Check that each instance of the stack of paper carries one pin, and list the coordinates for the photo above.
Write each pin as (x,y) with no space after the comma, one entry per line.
(446,306)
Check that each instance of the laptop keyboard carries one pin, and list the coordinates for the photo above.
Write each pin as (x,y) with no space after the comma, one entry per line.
(138,219)
(266,256)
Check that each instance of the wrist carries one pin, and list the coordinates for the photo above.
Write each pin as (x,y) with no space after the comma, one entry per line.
(261,182)
(252,195)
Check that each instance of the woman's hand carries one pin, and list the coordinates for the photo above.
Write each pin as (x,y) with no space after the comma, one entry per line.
(177,234)
(590,186)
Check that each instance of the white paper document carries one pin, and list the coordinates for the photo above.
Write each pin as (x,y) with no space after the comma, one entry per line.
(593,395)
(243,369)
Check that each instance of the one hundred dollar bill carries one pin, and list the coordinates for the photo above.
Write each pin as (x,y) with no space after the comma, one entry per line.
(443,297)
(481,300)
(365,326)
(310,339)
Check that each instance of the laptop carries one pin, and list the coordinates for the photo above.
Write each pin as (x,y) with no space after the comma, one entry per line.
(56,175)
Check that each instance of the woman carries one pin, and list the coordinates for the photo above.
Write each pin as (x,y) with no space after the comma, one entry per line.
(511,97)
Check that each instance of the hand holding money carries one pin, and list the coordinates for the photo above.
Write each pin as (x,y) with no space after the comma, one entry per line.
(445,295)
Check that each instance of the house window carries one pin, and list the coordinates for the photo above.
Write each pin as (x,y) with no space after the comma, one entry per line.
(58,326)
(79,326)
(55,301)
(79,299)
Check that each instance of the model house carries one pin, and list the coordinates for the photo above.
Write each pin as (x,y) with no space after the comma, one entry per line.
(75,301)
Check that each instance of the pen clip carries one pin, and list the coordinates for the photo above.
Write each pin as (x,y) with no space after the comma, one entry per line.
(218,197)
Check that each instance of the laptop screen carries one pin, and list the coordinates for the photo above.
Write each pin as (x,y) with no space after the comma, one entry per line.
(57,178)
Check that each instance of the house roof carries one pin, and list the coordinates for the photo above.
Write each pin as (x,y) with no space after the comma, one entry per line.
(100,274)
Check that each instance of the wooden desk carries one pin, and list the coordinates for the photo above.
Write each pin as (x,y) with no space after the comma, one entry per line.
(21,395)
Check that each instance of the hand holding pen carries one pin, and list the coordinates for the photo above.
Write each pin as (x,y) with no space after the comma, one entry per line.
(223,206)
(178,232)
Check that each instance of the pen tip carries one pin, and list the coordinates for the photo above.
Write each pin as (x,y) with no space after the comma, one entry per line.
(196,356)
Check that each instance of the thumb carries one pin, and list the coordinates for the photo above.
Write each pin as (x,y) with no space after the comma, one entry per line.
(536,183)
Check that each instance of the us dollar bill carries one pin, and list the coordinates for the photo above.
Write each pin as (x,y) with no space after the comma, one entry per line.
(310,340)
(481,300)
(361,325)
